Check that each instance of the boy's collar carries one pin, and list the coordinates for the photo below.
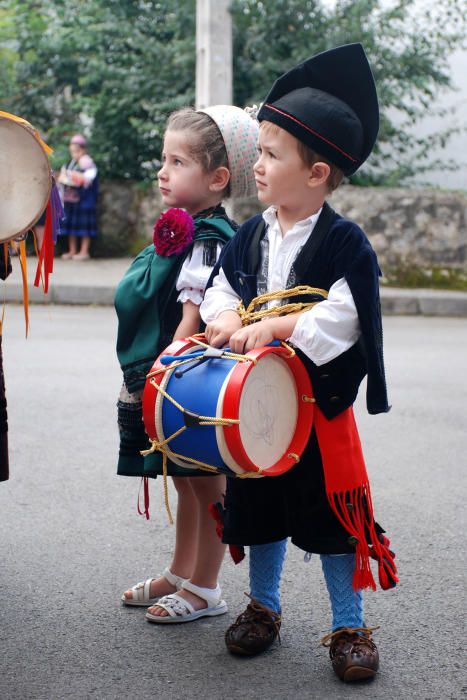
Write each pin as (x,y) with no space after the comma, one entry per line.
(270,217)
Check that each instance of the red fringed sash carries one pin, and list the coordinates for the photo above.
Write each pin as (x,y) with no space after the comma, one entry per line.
(349,496)
(348,493)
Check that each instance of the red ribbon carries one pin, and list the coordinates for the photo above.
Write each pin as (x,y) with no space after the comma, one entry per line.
(145,484)
(46,254)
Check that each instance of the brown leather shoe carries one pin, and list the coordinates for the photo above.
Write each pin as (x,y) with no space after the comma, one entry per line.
(253,631)
(354,656)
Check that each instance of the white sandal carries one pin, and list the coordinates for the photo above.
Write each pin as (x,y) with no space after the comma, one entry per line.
(180,610)
(140,592)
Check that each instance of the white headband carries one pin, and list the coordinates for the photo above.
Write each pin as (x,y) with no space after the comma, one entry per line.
(240,133)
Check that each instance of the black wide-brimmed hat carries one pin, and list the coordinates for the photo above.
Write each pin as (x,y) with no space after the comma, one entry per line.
(329,102)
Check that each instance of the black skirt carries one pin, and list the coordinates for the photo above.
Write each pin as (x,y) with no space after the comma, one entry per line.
(293,505)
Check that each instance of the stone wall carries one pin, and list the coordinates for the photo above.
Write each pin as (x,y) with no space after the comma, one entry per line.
(424,228)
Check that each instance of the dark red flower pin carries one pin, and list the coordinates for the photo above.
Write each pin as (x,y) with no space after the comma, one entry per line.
(173,232)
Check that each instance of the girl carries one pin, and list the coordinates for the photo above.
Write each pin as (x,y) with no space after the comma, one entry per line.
(80,190)
(207,155)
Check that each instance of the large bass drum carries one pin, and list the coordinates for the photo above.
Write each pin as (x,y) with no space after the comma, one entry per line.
(25,178)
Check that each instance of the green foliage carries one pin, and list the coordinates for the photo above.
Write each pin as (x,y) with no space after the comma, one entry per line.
(412,277)
(408,44)
(116,69)
(113,70)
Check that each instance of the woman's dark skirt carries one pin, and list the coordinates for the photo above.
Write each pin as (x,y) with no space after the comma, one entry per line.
(78,221)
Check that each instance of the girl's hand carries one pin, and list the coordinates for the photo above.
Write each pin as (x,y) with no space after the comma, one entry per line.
(219,332)
(255,336)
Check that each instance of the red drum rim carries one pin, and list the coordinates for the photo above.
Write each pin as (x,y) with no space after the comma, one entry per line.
(232,399)
(150,393)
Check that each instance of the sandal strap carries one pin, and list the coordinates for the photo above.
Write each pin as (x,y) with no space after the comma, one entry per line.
(140,592)
(212,596)
(173,579)
(171,603)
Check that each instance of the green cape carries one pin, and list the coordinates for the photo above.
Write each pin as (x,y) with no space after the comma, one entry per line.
(143,295)
(143,299)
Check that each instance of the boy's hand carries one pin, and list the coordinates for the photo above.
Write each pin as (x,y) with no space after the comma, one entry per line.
(263,332)
(219,332)
(255,336)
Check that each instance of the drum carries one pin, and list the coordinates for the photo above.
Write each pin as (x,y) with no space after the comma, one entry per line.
(247,415)
(25,177)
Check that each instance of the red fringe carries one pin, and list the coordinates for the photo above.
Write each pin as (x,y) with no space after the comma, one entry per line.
(145,484)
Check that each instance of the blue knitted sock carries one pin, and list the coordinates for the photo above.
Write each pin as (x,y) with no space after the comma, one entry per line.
(266,563)
(346,604)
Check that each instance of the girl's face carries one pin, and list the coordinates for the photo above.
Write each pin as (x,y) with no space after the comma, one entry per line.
(76,151)
(182,181)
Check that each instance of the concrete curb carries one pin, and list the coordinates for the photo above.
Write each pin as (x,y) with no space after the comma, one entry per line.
(394,302)
(423,302)
(63,294)
(94,282)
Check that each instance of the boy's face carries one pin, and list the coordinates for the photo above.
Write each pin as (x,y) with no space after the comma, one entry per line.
(282,178)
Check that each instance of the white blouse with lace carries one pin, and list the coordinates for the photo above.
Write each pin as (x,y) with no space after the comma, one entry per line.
(194,275)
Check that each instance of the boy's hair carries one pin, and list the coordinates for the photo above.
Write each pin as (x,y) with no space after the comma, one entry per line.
(206,144)
(310,157)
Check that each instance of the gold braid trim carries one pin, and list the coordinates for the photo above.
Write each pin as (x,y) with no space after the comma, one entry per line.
(249,315)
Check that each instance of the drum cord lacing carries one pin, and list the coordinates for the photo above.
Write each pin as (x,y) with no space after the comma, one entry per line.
(249,315)
(161,445)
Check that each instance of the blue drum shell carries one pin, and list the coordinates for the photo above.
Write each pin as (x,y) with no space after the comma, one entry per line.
(197,391)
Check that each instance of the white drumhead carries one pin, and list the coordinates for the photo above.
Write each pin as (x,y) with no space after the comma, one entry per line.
(25,179)
(268,414)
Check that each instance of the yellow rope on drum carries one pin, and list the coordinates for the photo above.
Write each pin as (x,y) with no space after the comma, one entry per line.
(161,446)
(226,355)
(249,315)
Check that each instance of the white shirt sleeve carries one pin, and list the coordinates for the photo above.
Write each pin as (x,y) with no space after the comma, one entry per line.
(329,328)
(89,174)
(194,275)
(218,298)
(89,169)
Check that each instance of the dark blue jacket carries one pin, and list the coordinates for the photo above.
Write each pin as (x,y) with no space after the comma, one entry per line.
(343,251)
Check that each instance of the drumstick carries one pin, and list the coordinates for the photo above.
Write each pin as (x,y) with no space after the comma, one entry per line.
(208,354)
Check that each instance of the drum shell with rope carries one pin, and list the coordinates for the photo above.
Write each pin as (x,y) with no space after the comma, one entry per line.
(261,409)
(25,177)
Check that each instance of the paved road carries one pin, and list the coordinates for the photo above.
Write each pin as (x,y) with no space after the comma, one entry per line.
(70,540)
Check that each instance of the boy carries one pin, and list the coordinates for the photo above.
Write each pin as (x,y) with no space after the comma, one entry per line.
(318,124)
